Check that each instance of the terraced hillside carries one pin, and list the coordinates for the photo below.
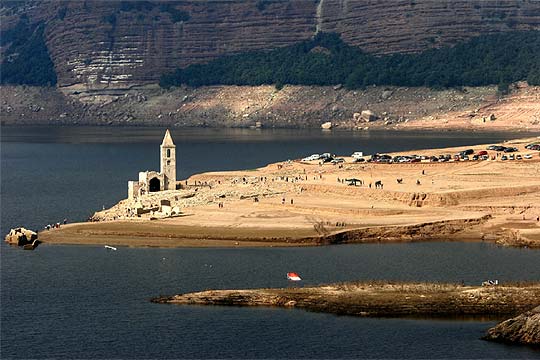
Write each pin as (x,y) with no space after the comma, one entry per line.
(119,44)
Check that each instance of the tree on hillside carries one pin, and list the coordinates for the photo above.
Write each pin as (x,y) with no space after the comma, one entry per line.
(327,60)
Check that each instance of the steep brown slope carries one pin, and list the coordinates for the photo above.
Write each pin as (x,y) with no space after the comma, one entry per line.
(105,44)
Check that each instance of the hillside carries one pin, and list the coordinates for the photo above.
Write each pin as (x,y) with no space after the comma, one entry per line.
(120,44)
(292,106)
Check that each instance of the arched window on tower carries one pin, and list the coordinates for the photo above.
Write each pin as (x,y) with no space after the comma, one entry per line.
(168,153)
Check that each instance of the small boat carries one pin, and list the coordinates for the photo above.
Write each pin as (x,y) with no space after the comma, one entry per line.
(293,276)
(110,247)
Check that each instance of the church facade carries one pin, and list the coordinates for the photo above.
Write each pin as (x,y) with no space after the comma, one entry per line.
(153,181)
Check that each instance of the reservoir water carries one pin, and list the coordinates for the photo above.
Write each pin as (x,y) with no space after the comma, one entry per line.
(87,302)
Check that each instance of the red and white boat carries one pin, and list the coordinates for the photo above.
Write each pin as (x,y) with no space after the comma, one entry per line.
(293,276)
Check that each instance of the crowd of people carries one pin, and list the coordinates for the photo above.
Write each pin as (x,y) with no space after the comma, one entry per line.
(55,225)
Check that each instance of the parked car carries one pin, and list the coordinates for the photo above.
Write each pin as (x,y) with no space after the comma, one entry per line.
(475,157)
(381,158)
(504,157)
(483,152)
(510,149)
(338,160)
(327,159)
(518,157)
(312,157)
(528,156)
(357,154)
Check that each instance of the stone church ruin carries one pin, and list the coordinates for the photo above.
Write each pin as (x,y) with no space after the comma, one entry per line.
(153,181)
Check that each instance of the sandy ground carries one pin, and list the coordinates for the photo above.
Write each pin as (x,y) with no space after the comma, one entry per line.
(490,200)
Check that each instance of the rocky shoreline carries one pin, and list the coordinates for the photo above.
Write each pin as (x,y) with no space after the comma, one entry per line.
(393,108)
(162,234)
(376,299)
(522,329)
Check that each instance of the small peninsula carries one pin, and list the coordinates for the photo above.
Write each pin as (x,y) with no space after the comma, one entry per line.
(380,299)
(421,195)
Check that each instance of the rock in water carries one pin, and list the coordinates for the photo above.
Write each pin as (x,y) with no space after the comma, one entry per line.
(523,329)
(21,236)
(326,125)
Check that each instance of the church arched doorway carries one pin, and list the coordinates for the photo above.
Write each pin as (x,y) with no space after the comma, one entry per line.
(153,185)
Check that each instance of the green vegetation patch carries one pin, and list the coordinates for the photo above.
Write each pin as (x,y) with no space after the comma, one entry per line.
(26,60)
(326,60)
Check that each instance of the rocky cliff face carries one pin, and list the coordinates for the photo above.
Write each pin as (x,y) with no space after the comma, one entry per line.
(119,44)
(98,44)
(390,26)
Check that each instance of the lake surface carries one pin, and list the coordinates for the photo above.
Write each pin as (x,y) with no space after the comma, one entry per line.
(86,302)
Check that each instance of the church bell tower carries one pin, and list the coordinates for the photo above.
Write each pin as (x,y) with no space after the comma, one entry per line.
(168,161)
